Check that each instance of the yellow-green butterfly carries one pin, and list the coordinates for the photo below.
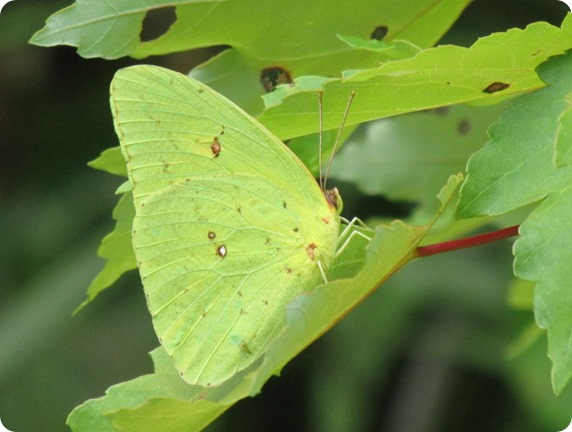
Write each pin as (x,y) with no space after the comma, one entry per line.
(230,226)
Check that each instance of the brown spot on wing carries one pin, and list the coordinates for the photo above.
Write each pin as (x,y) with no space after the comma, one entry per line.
(215,147)
(221,251)
(311,250)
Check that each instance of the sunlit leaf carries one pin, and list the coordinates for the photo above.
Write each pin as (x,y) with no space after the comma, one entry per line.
(543,254)
(494,68)
(110,160)
(302,40)
(517,167)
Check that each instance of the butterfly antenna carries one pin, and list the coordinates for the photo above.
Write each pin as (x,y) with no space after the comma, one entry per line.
(320,128)
(336,143)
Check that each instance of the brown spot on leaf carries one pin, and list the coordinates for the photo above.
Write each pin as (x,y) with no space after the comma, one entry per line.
(157,22)
(211,235)
(379,33)
(464,127)
(495,87)
(272,77)
(441,110)
(288,270)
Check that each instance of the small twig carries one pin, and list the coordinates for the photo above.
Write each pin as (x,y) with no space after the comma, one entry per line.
(437,248)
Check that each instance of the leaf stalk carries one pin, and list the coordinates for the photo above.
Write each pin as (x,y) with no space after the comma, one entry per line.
(438,248)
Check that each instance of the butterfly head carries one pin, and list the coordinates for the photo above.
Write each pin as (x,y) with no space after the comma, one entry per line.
(334,199)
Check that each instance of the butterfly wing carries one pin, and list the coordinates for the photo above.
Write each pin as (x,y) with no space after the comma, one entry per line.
(229,224)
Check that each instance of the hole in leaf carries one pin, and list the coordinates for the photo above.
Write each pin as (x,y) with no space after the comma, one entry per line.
(495,87)
(379,33)
(272,77)
(157,22)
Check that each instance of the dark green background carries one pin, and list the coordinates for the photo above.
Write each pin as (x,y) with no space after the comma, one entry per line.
(425,353)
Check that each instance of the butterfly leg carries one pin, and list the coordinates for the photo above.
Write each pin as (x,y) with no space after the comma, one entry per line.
(352,224)
(321,267)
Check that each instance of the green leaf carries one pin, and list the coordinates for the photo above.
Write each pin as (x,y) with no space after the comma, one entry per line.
(408,157)
(564,136)
(157,402)
(103,29)
(110,160)
(494,68)
(543,254)
(517,167)
(300,41)
(398,49)
(116,249)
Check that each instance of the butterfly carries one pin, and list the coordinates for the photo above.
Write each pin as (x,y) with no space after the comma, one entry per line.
(230,226)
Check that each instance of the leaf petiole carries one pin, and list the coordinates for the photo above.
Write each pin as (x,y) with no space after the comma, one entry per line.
(437,248)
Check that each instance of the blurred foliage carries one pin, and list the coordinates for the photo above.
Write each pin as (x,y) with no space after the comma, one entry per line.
(431,351)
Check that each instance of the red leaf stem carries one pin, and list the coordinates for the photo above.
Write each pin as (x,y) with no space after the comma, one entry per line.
(437,248)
